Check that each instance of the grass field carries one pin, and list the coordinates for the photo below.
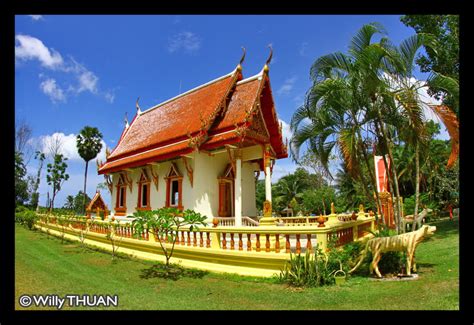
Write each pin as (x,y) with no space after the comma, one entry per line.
(43,265)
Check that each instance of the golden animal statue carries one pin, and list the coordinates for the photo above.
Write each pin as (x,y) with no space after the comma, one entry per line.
(404,242)
(409,219)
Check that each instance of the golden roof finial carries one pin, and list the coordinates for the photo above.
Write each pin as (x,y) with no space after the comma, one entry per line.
(126,120)
(138,106)
(243,55)
(239,66)
(269,58)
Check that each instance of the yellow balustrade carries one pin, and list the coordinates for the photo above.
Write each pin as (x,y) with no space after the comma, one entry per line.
(258,251)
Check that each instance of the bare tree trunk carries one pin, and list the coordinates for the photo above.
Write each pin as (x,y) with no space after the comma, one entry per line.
(36,185)
(52,200)
(417,186)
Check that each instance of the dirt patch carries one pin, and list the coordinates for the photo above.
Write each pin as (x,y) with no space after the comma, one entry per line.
(391,277)
(98,261)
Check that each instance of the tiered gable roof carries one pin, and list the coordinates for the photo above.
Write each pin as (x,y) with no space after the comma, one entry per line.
(97,202)
(223,111)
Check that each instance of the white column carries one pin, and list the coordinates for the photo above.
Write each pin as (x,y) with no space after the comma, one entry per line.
(268,183)
(238,192)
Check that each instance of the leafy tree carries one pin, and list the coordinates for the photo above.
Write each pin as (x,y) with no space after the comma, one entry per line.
(166,223)
(319,176)
(89,144)
(22,139)
(79,201)
(260,193)
(349,191)
(319,200)
(56,175)
(21,184)
(35,195)
(445,60)
(75,203)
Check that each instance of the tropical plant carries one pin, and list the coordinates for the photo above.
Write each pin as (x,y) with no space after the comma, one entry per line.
(111,235)
(57,175)
(83,230)
(165,223)
(21,185)
(89,144)
(319,200)
(290,187)
(25,217)
(365,98)
(445,60)
(318,268)
(69,203)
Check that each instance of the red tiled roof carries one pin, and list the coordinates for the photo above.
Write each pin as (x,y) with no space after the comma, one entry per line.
(174,119)
(243,98)
(139,159)
(163,132)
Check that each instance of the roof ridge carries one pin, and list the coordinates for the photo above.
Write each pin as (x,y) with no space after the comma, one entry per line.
(257,76)
(190,91)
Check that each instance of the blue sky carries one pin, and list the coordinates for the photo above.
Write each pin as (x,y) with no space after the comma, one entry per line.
(72,71)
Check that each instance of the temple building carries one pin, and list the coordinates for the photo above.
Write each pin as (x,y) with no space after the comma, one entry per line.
(202,150)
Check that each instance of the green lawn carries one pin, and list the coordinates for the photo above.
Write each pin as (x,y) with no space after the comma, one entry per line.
(45,266)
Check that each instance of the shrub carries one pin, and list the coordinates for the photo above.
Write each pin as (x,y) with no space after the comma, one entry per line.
(314,270)
(26,217)
(307,270)
(390,262)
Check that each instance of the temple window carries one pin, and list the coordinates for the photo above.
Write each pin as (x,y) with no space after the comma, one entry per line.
(143,192)
(174,188)
(121,198)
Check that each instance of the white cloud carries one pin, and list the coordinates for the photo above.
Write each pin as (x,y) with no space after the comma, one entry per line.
(287,86)
(87,82)
(36,17)
(68,147)
(31,48)
(109,97)
(187,41)
(303,49)
(52,90)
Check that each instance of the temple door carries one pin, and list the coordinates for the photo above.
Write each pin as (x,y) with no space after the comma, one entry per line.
(225,199)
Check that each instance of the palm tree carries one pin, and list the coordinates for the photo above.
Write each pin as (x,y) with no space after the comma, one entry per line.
(89,144)
(369,90)
(335,114)
(69,202)
(290,188)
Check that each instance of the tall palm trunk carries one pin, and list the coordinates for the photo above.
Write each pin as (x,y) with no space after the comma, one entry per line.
(378,203)
(85,182)
(417,187)
(392,168)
